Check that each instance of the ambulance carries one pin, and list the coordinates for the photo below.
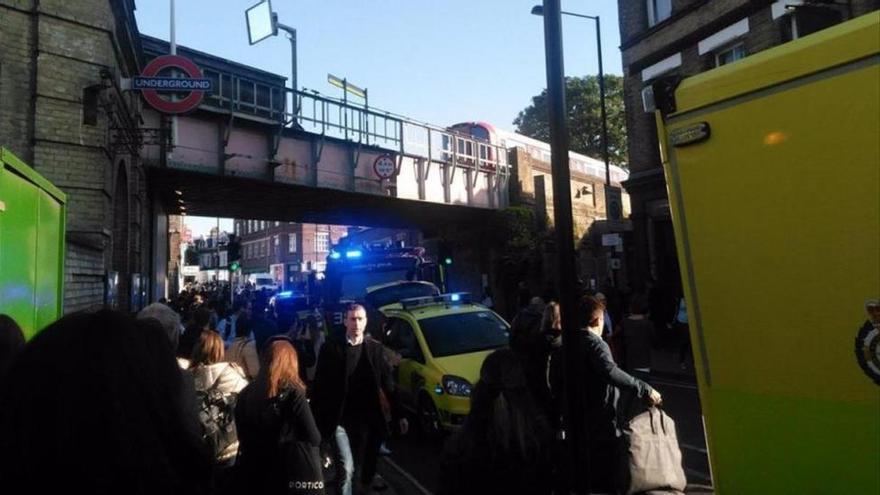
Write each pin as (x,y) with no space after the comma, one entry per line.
(773,170)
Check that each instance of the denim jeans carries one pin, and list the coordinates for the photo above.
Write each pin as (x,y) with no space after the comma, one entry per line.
(347,458)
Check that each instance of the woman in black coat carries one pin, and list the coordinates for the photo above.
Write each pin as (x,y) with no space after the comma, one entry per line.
(278,439)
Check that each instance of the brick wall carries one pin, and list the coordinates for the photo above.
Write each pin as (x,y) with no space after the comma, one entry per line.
(586,208)
(76,40)
(16,66)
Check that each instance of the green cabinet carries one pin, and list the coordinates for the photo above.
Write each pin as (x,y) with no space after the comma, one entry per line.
(32,215)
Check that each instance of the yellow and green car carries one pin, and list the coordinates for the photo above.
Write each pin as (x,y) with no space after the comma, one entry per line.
(442,341)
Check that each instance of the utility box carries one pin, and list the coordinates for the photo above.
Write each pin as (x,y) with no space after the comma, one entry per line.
(32,223)
(773,168)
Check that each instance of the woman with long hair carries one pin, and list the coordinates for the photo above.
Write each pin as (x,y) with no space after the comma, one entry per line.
(243,350)
(271,413)
(504,444)
(217,384)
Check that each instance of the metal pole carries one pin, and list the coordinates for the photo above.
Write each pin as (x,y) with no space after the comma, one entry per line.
(291,34)
(345,104)
(217,249)
(602,100)
(173,51)
(574,419)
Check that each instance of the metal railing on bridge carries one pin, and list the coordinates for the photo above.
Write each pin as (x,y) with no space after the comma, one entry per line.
(332,117)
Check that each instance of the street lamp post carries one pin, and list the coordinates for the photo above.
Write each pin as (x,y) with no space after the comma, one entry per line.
(575,419)
(539,10)
(262,23)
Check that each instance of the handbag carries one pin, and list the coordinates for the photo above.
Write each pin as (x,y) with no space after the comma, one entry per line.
(651,456)
(302,460)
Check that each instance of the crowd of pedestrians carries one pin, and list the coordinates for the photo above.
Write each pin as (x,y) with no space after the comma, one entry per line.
(197,396)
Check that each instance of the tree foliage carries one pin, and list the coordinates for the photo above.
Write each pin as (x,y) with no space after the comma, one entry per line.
(584,117)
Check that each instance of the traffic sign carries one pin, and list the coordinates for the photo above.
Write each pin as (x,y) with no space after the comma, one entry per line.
(385,167)
(614,208)
(150,84)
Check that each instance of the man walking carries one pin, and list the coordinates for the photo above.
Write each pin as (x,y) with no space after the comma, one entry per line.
(353,383)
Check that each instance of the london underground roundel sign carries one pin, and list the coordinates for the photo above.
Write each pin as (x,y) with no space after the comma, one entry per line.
(150,84)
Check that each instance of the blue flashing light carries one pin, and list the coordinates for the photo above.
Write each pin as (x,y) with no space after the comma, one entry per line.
(334,255)
(455,297)
(285,294)
(438,389)
(353,254)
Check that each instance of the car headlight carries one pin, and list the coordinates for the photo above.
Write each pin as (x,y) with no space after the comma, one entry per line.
(455,385)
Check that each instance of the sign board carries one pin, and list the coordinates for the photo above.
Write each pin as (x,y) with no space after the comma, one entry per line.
(189,270)
(151,84)
(614,208)
(261,22)
(610,239)
(385,167)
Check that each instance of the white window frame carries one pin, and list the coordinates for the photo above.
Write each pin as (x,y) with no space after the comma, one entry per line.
(322,242)
(653,15)
(731,48)
(291,243)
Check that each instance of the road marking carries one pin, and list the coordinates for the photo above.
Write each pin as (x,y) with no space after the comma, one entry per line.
(408,476)
(702,450)
(686,385)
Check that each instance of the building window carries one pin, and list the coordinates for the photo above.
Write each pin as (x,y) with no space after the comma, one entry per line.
(322,242)
(658,11)
(291,243)
(277,224)
(729,55)
(277,242)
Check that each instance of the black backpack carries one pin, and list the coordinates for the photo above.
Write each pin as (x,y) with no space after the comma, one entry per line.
(217,417)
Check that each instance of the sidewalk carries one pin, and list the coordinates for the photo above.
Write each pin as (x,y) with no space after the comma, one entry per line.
(665,364)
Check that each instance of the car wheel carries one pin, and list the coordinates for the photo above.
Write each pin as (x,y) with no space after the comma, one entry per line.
(429,418)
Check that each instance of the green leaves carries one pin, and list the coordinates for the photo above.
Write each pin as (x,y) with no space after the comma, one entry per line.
(584,112)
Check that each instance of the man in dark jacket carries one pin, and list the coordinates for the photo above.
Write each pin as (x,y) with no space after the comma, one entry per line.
(602,381)
(351,380)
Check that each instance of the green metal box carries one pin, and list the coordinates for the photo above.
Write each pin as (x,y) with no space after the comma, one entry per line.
(32,224)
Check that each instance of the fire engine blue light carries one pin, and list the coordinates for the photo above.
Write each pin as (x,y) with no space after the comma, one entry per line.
(353,254)
(455,297)
(334,255)
(285,294)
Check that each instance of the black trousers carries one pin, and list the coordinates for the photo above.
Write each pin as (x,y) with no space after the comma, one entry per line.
(365,440)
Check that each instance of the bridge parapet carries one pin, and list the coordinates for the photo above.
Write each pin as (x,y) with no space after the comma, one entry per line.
(254,127)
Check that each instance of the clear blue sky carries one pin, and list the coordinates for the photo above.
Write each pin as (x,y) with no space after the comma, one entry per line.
(439,61)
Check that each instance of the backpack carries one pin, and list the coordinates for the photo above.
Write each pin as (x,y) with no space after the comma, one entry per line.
(217,417)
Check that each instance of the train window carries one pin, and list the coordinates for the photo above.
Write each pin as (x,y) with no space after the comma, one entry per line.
(480,132)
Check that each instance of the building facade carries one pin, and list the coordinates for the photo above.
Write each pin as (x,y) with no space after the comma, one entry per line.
(683,38)
(63,112)
(290,251)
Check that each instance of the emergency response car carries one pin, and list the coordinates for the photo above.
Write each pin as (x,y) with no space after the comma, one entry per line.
(442,341)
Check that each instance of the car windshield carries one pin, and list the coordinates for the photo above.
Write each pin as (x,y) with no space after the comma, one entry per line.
(354,285)
(395,293)
(462,333)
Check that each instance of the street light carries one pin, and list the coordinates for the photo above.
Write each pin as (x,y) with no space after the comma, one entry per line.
(539,10)
(262,23)
(575,418)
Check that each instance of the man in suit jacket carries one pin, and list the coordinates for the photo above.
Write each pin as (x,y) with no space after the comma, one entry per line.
(351,380)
